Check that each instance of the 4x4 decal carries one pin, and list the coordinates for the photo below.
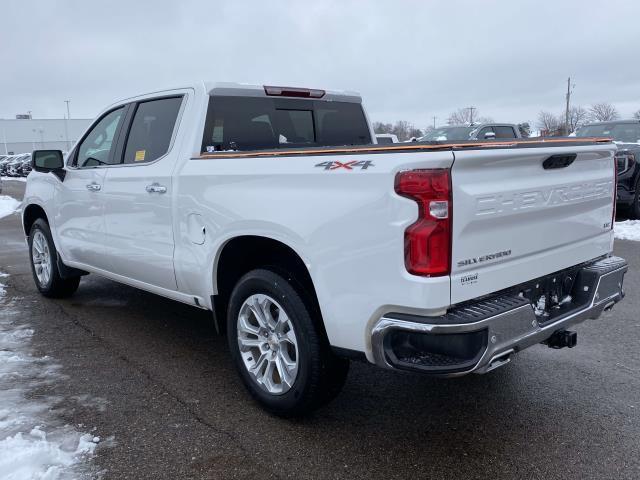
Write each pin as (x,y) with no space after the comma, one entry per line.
(362,165)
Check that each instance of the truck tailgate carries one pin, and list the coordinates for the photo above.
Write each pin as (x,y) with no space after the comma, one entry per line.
(515,220)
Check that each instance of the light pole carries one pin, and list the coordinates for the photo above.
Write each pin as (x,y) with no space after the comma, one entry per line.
(66,126)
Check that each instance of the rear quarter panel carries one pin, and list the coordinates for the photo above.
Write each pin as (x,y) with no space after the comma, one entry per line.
(347,225)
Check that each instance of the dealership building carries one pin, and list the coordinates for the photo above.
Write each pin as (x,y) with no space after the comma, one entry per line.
(22,135)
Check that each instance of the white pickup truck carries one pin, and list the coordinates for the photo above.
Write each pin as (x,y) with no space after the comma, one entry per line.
(272,208)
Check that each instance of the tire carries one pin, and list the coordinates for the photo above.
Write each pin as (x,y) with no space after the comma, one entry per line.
(294,343)
(43,258)
(634,208)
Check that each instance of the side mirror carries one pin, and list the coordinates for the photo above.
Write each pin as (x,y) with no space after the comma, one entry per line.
(48,161)
(490,136)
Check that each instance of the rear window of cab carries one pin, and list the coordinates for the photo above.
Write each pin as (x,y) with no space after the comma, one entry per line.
(257,123)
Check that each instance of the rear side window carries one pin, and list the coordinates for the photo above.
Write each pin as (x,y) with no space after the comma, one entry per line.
(256,123)
(504,132)
(151,130)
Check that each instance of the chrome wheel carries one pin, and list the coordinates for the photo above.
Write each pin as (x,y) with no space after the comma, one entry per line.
(268,344)
(41,257)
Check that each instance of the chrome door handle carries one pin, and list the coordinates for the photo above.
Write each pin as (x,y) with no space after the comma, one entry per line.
(94,187)
(156,188)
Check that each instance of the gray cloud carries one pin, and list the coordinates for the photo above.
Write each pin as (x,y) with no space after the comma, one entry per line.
(409,60)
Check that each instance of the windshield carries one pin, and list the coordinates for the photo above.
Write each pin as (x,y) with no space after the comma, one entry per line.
(620,132)
(447,133)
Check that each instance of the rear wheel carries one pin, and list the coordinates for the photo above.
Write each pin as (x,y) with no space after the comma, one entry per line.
(281,354)
(44,263)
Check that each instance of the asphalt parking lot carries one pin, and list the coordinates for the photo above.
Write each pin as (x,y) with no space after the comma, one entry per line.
(169,397)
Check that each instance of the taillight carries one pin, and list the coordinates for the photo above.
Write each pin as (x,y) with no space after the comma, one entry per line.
(624,161)
(293,92)
(427,242)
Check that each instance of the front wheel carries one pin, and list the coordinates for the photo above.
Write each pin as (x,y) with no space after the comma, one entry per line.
(44,263)
(280,352)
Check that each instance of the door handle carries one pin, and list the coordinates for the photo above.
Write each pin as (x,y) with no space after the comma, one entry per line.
(156,188)
(94,187)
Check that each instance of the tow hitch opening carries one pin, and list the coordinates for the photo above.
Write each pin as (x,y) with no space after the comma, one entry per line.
(561,339)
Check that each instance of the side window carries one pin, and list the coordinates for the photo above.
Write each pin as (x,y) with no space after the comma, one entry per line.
(96,147)
(151,130)
(504,132)
(484,131)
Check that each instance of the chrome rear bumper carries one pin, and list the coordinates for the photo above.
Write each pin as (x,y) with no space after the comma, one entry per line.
(493,328)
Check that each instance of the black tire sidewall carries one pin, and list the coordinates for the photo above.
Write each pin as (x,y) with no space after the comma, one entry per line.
(43,227)
(309,361)
(635,206)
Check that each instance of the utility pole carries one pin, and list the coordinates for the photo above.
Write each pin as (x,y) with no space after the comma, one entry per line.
(434,122)
(68,114)
(471,109)
(566,113)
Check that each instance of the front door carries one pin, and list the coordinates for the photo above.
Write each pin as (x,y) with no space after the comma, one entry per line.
(79,199)
(138,217)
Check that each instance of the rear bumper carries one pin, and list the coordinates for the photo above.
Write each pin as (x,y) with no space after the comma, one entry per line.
(482,335)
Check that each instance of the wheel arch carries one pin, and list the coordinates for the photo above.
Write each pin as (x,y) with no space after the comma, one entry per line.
(243,253)
(30,214)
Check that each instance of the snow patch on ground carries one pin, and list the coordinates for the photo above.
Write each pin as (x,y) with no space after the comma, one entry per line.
(627,230)
(34,443)
(14,179)
(8,205)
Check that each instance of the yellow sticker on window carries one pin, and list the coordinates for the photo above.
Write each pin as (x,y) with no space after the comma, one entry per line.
(140,155)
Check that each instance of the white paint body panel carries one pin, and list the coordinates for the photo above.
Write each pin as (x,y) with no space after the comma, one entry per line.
(346,225)
(547,219)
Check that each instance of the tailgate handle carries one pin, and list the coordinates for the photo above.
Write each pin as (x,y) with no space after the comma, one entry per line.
(559,161)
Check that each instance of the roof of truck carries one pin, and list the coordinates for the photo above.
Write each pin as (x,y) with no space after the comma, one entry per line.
(254,90)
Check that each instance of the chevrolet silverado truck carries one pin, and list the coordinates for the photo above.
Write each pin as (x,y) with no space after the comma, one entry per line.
(311,245)
(626,134)
(483,131)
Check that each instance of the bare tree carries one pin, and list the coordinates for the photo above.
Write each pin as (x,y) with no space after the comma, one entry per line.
(577,117)
(462,116)
(380,127)
(637,115)
(459,117)
(402,129)
(548,122)
(602,112)
(415,132)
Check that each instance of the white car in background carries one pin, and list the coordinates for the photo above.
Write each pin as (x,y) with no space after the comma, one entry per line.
(384,138)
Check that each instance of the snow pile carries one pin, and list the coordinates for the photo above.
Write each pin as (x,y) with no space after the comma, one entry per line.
(33,442)
(14,179)
(627,230)
(8,205)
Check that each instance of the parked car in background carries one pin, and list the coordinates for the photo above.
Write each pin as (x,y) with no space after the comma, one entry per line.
(26,165)
(4,164)
(383,138)
(271,207)
(484,131)
(626,133)
(14,168)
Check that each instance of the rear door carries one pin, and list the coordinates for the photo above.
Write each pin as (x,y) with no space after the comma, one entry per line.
(515,220)
(138,207)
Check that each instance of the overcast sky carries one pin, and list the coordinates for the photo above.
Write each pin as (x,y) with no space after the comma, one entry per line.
(409,60)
